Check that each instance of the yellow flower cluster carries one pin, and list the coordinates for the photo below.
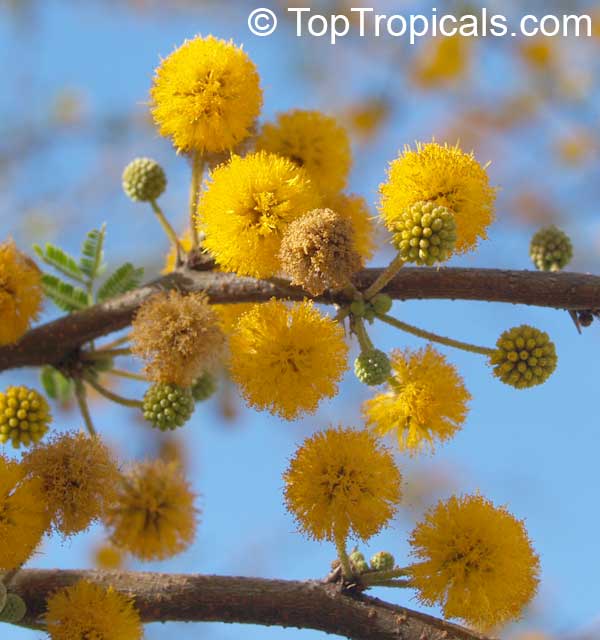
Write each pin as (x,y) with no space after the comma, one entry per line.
(340,482)
(87,610)
(287,359)
(475,561)
(24,416)
(447,177)
(426,400)
(20,293)
(153,516)
(206,95)
(23,515)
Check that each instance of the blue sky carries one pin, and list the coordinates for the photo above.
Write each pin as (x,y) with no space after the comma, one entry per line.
(535,451)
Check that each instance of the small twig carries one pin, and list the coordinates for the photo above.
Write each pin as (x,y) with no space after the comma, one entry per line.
(197,172)
(136,404)
(101,354)
(116,343)
(127,374)
(166,225)
(83,406)
(340,545)
(385,277)
(434,337)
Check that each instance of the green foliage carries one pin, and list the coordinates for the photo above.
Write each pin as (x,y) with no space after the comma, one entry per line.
(65,295)
(60,260)
(124,279)
(55,384)
(92,259)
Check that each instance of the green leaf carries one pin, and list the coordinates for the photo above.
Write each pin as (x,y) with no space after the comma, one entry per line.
(92,258)
(124,279)
(60,260)
(64,294)
(56,385)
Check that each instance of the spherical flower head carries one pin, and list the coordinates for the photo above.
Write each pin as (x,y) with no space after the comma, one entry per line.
(524,357)
(425,234)
(24,416)
(20,293)
(204,387)
(24,515)
(372,367)
(426,401)
(356,209)
(246,208)
(108,557)
(79,478)
(551,249)
(446,176)
(167,406)
(14,609)
(153,517)
(314,141)
(179,337)
(87,610)
(144,180)
(382,561)
(287,358)
(342,482)
(475,560)
(206,95)
(318,251)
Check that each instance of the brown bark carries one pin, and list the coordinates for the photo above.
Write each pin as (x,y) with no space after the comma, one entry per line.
(198,598)
(54,342)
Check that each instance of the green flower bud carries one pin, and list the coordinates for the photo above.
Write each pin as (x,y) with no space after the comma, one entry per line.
(381,303)
(167,406)
(358,562)
(383,561)
(358,308)
(551,249)
(204,387)
(14,609)
(525,357)
(425,234)
(372,367)
(144,180)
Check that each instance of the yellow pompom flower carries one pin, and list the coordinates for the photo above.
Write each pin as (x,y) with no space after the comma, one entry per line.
(87,610)
(287,359)
(356,209)
(442,60)
(24,416)
(206,95)
(79,478)
(20,293)
(108,557)
(475,561)
(425,401)
(340,482)
(153,516)
(447,176)
(246,207)
(314,141)
(24,518)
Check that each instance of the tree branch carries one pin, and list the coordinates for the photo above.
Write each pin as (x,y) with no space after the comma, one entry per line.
(193,598)
(54,342)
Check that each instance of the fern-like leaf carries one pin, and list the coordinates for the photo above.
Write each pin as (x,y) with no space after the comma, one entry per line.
(64,295)
(61,261)
(124,279)
(92,258)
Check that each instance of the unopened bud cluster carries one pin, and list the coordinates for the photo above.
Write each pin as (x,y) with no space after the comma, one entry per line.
(24,416)
(551,249)
(167,406)
(372,367)
(144,180)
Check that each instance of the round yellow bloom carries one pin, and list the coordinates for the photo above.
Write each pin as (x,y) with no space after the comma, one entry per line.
(475,561)
(108,557)
(356,209)
(178,336)
(23,515)
(79,477)
(86,610)
(247,206)
(313,141)
(446,176)
(286,359)
(206,95)
(426,400)
(442,60)
(20,293)
(153,516)
(342,482)
(24,416)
